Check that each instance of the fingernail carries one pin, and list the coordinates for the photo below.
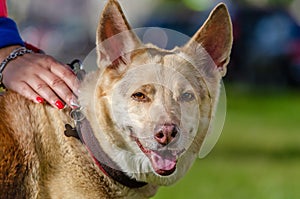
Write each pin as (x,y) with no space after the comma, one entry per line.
(40,99)
(59,104)
(74,103)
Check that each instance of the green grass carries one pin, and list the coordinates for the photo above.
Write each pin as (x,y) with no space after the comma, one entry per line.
(257,155)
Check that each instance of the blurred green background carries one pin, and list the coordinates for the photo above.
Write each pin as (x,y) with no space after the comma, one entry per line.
(258,153)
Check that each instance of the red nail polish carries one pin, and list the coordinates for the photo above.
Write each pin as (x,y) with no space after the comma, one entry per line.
(59,104)
(40,100)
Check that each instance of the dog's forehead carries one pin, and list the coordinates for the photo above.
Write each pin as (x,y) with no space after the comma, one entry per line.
(164,59)
(158,68)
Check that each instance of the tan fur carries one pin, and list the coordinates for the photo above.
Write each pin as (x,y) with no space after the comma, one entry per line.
(38,161)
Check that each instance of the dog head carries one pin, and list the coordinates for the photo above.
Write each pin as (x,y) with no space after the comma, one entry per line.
(150,108)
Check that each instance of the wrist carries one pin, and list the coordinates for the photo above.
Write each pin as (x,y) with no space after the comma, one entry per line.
(11,56)
(4,52)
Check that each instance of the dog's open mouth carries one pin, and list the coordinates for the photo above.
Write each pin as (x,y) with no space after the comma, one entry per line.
(163,161)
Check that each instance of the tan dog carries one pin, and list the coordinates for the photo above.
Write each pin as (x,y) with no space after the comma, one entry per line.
(146,112)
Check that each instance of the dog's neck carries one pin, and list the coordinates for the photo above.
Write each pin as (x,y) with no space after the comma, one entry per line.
(85,134)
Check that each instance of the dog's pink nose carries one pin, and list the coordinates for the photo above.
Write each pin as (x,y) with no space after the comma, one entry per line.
(166,133)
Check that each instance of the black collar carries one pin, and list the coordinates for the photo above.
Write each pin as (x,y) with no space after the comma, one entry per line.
(85,134)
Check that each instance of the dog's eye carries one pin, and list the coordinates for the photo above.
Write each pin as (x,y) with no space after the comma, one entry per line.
(140,97)
(187,97)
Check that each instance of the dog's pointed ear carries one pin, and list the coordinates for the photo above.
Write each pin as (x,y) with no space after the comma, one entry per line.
(115,39)
(215,36)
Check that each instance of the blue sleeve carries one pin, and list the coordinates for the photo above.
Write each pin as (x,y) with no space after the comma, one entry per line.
(9,34)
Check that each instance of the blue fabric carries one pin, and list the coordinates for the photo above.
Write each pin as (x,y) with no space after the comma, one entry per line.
(9,34)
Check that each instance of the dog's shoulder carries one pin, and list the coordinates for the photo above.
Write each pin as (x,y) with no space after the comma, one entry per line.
(15,113)
(11,103)
(12,158)
(19,162)
(12,166)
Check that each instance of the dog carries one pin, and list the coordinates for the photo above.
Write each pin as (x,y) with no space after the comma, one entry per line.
(144,115)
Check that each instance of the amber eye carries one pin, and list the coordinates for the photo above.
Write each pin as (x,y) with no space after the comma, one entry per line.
(140,97)
(187,97)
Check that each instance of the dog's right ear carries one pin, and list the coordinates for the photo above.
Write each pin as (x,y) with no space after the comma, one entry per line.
(115,39)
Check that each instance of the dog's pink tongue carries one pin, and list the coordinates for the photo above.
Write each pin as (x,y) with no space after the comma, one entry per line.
(163,164)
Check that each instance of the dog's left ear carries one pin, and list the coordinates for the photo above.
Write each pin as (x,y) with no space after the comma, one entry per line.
(115,39)
(215,36)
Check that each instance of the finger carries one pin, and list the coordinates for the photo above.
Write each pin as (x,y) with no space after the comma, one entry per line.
(43,89)
(66,74)
(28,92)
(57,85)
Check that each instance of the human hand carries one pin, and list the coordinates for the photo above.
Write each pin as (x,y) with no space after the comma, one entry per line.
(40,78)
